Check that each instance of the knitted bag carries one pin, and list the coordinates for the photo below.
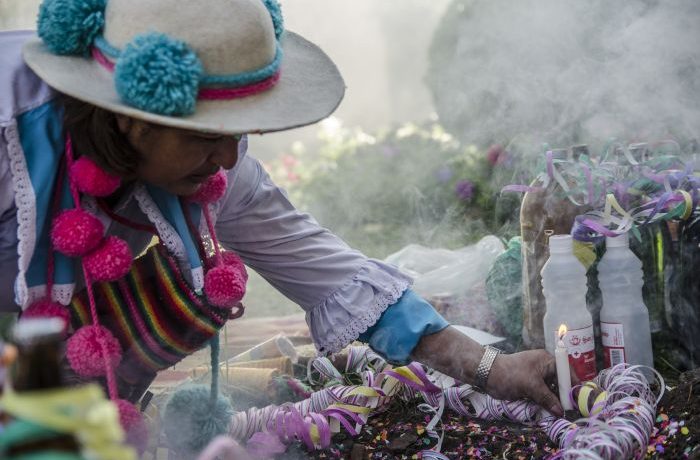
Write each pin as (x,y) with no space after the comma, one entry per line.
(156,316)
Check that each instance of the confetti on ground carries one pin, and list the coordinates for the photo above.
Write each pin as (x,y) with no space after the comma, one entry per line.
(676,432)
(399,432)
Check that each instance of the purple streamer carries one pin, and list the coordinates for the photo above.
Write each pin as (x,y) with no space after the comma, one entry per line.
(521,188)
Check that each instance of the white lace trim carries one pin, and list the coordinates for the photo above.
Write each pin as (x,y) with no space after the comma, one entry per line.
(26,212)
(168,235)
(198,279)
(385,296)
(35,293)
(63,293)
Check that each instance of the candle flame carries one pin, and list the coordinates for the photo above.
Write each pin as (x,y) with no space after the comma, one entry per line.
(562,331)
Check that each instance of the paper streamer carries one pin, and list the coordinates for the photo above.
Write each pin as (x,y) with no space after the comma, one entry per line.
(619,427)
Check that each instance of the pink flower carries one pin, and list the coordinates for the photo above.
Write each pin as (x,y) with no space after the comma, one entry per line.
(289,161)
(292,177)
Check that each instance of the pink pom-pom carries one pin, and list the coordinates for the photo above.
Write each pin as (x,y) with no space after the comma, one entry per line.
(232,260)
(224,286)
(110,261)
(45,308)
(91,179)
(212,189)
(133,425)
(85,354)
(76,232)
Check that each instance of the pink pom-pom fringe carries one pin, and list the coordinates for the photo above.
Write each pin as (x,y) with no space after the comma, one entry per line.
(76,232)
(89,348)
(91,179)
(110,261)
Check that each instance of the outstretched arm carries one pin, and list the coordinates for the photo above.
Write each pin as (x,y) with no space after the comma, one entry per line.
(512,376)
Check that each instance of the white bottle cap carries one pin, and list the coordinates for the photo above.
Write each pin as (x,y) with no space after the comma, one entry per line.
(561,244)
(622,241)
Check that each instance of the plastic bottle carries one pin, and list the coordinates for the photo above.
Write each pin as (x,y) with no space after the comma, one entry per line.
(544,211)
(564,287)
(624,319)
(38,370)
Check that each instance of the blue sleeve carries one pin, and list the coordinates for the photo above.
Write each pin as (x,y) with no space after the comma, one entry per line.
(401,326)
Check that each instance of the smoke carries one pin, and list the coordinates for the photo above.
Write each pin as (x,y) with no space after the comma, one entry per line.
(568,70)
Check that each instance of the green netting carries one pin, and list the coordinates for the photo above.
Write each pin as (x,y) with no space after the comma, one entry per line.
(504,289)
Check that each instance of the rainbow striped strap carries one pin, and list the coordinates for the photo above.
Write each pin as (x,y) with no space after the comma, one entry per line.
(156,316)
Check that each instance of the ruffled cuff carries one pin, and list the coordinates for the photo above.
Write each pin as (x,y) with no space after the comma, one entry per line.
(401,326)
(356,306)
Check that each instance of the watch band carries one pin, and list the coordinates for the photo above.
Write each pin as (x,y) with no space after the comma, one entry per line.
(484,368)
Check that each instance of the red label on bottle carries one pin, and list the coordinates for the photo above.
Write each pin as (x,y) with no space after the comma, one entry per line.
(612,335)
(581,348)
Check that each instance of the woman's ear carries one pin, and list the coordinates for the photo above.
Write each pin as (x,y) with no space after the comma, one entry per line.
(133,128)
(124,123)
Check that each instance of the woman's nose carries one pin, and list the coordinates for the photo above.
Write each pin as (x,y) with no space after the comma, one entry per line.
(225,153)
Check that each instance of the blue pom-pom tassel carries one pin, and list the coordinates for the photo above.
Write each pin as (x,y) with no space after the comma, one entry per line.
(190,420)
(70,26)
(158,74)
(275,10)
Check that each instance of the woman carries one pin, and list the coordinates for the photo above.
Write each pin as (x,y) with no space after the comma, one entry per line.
(157,98)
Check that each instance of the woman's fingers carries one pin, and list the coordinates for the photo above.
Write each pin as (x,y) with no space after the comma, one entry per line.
(525,375)
(543,396)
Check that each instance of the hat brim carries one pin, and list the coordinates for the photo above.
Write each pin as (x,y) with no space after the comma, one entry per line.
(309,89)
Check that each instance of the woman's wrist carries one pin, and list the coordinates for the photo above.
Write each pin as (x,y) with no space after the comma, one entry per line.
(402,325)
(483,370)
(450,352)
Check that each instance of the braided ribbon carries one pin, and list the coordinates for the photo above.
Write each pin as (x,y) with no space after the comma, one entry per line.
(211,94)
(619,428)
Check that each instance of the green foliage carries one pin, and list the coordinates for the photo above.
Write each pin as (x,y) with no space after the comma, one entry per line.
(411,184)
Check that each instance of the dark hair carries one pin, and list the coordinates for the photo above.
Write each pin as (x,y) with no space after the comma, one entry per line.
(95,134)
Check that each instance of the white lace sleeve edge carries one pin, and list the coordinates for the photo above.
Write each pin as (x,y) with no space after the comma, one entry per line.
(384,296)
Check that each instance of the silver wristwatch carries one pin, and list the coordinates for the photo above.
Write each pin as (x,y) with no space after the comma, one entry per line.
(484,368)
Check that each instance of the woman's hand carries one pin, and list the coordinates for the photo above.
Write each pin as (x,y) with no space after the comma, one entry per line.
(525,375)
(512,377)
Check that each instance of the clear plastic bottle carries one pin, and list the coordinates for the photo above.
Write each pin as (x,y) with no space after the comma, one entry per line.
(624,319)
(564,287)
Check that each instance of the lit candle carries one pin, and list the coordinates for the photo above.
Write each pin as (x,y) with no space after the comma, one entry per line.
(561,355)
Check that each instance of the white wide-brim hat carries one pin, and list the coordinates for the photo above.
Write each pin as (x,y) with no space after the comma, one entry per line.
(230,38)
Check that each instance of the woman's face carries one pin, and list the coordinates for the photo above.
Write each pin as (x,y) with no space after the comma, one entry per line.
(178,160)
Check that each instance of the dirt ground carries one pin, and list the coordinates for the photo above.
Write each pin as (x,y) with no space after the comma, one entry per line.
(399,432)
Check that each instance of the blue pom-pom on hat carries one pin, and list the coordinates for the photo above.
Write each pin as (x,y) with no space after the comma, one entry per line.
(158,74)
(275,10)
(191,421)
(70,26)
